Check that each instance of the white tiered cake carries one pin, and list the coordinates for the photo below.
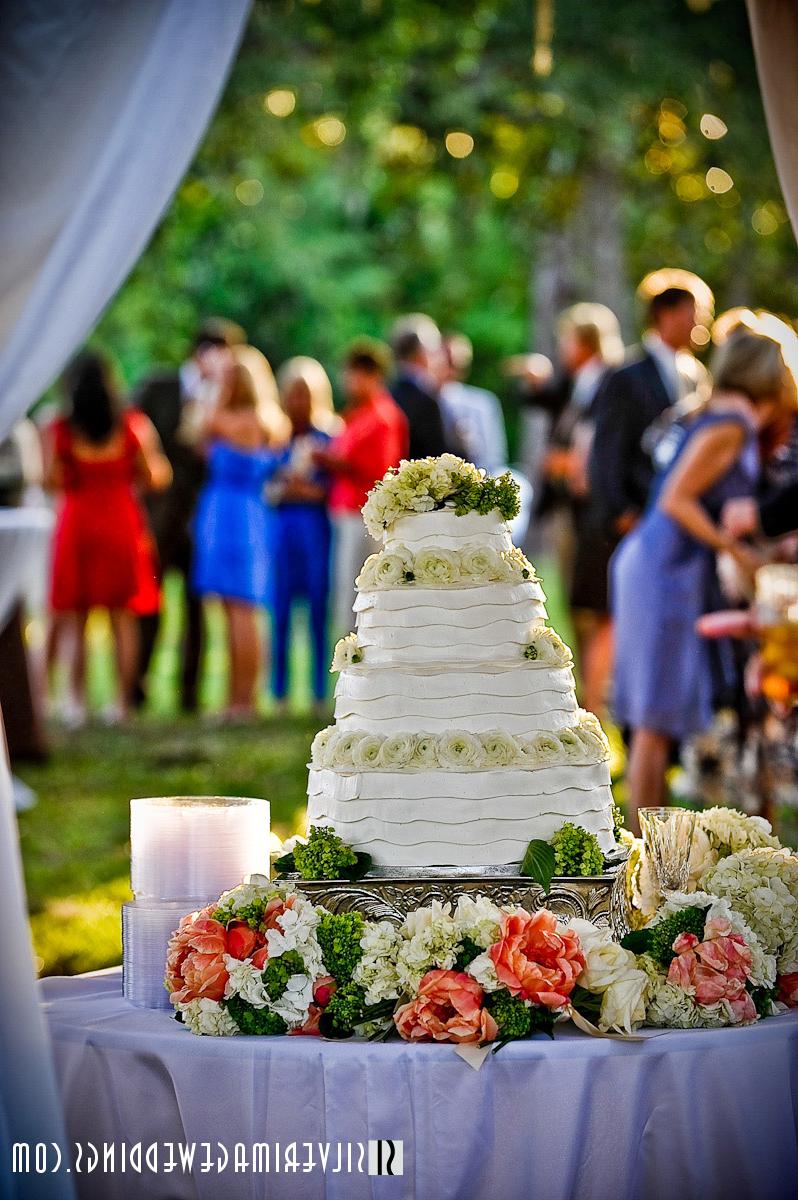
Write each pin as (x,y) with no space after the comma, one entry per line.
(457,735)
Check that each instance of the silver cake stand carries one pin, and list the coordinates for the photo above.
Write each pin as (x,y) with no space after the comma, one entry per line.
(390,893)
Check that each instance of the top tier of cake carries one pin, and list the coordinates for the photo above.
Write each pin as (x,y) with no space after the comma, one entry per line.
(444,530)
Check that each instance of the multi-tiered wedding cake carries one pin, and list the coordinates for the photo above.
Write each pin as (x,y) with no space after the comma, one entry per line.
(457,735)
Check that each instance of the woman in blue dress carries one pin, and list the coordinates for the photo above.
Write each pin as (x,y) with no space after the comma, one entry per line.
(662,576)
(230,528)
(299,524)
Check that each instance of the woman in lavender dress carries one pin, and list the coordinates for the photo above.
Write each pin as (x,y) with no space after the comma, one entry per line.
(662,576)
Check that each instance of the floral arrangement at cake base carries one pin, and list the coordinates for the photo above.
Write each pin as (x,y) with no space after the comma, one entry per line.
(265,960)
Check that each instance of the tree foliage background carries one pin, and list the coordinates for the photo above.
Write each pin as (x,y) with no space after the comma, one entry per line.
(324,200)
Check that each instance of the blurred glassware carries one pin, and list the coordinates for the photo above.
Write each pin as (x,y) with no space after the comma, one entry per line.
(777,616)
(668,836)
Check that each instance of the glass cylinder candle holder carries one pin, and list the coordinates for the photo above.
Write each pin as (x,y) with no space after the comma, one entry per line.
(668,836)
(196,847)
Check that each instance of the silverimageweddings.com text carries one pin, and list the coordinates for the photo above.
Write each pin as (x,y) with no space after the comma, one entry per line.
(383,1157)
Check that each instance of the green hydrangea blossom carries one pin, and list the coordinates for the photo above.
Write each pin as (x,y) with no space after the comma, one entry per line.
(665,932)
(324,855)
(252,1020)
(339,936)
(512,1016)
(576,851)
(279,970)
(345,1010)
(469,950)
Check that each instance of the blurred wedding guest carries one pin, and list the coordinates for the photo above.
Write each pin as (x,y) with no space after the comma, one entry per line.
(471,413)
(230,527)
(631,400)
(299,524)
(590,347)
(175,401)
(664,573)
(418,349)
(374,438)
(97,457)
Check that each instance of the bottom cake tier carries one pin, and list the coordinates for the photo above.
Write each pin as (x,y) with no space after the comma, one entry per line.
(459,818)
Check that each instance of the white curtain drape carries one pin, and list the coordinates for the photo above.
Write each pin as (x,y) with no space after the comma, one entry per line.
(102,105)
(774,30)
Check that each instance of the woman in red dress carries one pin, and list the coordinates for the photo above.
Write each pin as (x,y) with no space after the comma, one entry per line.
(98,457)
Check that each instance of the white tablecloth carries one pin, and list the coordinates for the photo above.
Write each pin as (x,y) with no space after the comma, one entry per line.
(702,1115)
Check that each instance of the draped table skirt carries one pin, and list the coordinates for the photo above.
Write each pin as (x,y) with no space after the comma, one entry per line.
(694,1115)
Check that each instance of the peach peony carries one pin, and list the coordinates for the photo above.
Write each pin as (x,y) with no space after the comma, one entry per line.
(195,967)
(715,969)
(536,961)
(241,940)
(447,1008)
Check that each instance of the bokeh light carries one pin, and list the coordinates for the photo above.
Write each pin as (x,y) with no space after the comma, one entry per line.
(280,102)
(459,144)
(764,220)
(249,192)
(719,181)
(690,188)
(504,182)
(330,130)
(699,335)
(713,127)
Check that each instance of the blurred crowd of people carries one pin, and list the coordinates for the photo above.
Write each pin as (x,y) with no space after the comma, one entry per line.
(658,483)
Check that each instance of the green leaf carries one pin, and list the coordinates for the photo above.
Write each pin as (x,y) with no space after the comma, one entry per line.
(637,940)
(285,865)
(538,863)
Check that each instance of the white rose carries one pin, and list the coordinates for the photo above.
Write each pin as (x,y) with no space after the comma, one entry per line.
(541,749)
(500,749)
(425,752)
(516,566)
(481,562)
(623,1006)
(367,578)
(437,567)
(605,963)
(397,750)
(460,750)
(390,570)
(482,969)
(549,649)
(341,748)
(348,653)
(366,754)
(320,754)
(572,745)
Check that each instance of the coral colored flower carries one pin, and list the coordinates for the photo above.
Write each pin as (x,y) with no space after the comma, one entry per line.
(311,1025)
(447,1008)
(324,989)
(241,940)
(536,961)
(715,969)
(788,989)
(195,967)
(259,957)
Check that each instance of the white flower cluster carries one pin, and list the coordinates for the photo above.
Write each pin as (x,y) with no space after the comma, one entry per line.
(435,567)
(420,485)
(613,973)
(396,959)
(730,830)
(348,653)
(762,886)
(458,749)
(208,1017)
(548,649)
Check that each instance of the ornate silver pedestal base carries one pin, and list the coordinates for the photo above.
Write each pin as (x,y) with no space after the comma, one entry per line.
(389,896)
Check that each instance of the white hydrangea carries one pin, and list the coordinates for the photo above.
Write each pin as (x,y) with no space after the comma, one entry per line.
(761,885)
(245,981)
(376,971)
(296,930)
(295,1002)
(479,919)
(255,887)
(348,653)
(429,938)
(670,1007)
(730,830)
(208,1017)
(483,969)
(788,959)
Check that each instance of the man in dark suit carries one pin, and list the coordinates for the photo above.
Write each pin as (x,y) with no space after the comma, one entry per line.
(164,397)
(418,349)
(630,401)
